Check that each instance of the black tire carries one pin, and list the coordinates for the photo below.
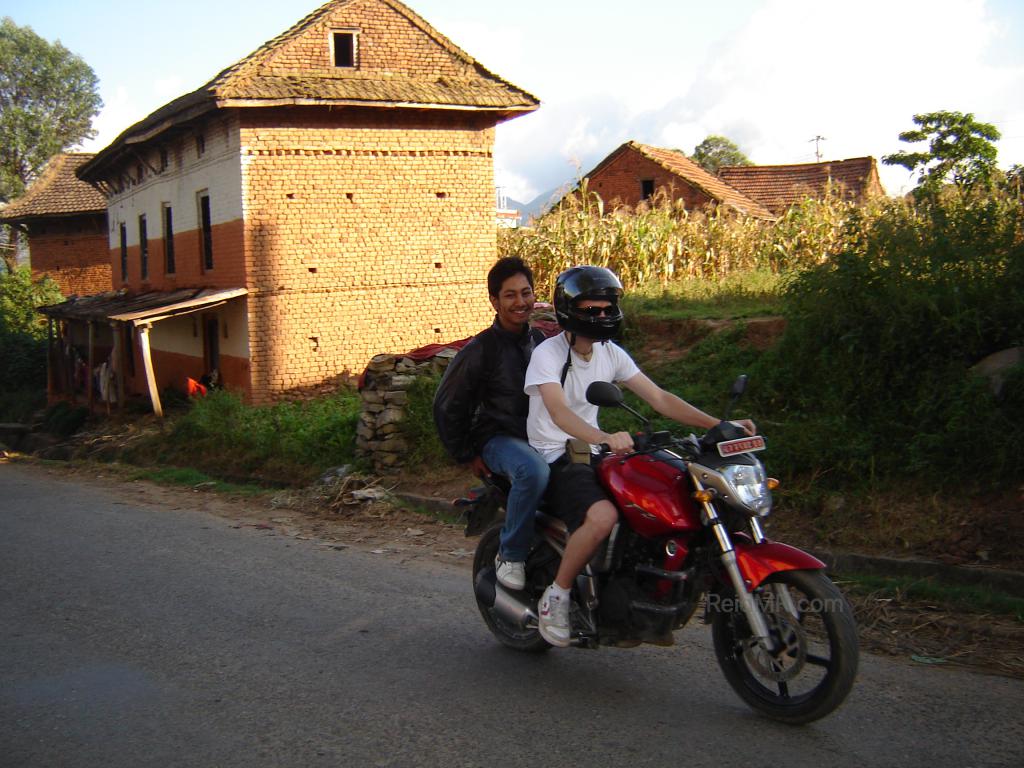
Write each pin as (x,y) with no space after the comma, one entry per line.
(527,640)
(815,672)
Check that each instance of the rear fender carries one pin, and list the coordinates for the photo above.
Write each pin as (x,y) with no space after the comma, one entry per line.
(759,561)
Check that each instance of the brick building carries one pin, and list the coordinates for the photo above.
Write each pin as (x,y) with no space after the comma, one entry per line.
(635,172)
(777,187)
(65,222)
(328,198)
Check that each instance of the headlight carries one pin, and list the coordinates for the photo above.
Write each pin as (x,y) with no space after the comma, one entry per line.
(748,488)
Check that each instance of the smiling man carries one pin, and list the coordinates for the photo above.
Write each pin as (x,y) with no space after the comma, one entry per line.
(480,411)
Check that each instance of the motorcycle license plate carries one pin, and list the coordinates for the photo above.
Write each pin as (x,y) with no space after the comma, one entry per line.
(743,445)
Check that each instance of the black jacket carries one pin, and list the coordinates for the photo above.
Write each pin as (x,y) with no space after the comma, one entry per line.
(481,393)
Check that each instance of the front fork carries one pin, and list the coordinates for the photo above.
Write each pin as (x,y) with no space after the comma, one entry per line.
(752,611)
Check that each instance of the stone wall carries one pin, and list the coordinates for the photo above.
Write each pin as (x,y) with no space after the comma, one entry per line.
(385,395)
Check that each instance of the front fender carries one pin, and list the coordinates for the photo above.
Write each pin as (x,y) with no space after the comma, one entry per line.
(759,561)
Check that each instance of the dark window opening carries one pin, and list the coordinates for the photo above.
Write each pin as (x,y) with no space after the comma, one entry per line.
(168,240)
(206,225)
(143,249)
(646,189)
(200,145)
(344,49)
(164,159)
(124,253)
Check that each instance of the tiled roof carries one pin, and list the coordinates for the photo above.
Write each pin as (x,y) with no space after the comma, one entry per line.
(779,186)
(255,81)
(680,165)
(57,192)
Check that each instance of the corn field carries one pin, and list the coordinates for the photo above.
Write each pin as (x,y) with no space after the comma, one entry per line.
(662,242)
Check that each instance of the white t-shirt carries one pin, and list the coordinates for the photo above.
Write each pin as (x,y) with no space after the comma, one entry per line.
(609,362)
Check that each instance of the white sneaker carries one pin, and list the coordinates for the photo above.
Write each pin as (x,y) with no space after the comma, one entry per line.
(553,615)
(511,574)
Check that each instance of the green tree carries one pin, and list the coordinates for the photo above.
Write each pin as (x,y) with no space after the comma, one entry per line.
(960,150)
(22,329)
(716,151)
(48,98)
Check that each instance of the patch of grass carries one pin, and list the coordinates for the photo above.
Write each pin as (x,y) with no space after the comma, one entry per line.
(750,293)
(973,599)
(188,476)
(291,442)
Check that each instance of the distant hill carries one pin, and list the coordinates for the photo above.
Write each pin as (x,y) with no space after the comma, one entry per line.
(538,206)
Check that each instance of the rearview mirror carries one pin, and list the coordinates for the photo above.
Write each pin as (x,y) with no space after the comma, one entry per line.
(739,386)
(604,394)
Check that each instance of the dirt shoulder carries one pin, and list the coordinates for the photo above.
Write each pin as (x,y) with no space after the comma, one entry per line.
(370,518)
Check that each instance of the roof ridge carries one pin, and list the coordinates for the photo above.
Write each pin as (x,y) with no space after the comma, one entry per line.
(817,164)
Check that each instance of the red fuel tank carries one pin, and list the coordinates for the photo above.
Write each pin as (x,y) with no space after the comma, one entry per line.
(652,491)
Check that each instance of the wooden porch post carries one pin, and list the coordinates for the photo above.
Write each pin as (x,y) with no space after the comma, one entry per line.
(147,362)
(69,361)
(90,393)
(51,362)
(117,364)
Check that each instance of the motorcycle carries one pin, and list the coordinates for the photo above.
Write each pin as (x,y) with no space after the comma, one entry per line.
(689,536)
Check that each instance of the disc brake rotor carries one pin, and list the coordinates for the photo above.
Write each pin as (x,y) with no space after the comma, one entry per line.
(790,655)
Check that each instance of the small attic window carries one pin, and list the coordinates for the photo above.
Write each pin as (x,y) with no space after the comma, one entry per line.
(344,46)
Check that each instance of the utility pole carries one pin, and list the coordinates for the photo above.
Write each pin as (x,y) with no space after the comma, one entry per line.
(817,147)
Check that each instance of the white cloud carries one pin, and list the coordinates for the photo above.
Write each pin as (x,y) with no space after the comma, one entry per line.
(854,73)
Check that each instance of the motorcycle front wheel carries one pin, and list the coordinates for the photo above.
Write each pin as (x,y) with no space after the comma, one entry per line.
(815,663)
(508,632)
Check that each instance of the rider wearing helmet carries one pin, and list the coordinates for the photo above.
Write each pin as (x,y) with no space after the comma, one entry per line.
(586,304)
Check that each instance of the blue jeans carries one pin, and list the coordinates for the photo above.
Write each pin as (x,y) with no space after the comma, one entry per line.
(527,471)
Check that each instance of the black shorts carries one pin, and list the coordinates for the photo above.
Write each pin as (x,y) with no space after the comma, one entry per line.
(572,490)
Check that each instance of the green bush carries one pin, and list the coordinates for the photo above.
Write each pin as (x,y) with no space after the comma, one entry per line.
(418,428)
(23,330)
(63,419)
(881,339)
(286,442)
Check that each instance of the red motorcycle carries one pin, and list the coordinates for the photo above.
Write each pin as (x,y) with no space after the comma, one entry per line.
(689,536)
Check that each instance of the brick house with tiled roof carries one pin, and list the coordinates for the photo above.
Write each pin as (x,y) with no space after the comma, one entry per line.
(777,187)
(332,194)
(635,172)
(65,221)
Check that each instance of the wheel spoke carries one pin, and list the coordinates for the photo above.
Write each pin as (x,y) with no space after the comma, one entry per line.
(819,661)
(783,689)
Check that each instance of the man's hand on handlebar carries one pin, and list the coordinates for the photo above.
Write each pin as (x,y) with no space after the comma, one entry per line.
(748,426)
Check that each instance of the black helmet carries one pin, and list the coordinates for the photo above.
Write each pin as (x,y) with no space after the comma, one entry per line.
(580,283)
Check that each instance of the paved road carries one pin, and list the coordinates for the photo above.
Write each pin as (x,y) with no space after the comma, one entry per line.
(137,636)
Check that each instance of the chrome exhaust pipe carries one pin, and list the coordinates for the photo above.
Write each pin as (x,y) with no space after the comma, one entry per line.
(490,593)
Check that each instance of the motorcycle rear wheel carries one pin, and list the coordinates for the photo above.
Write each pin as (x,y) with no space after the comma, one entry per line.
(511,635)
(814,671)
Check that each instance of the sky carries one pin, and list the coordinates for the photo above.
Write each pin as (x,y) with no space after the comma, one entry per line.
(769,74)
